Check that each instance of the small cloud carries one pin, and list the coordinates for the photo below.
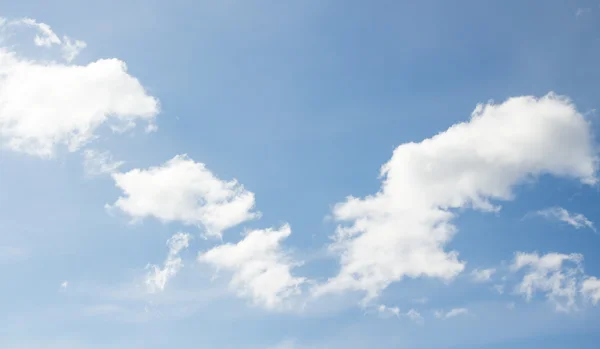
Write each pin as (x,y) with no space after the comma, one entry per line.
(440,314)
(499,288)
(582,11)
(98,163)
(12,254)
(385,310)
(576,220)
(590,288)
(415,316)
(510,306)
(421,300)
(64,285)
(482,275)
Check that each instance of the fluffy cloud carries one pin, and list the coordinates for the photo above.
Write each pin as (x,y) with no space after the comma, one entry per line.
(552,275)
(97,163)
(482,275)
(48,104)
(186,191)
(590,288)
(576,220)
(157,277)
(402,230)
(261,269)
(450,314)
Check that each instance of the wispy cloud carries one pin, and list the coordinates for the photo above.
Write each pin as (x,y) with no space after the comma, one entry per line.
(440,314)
(576,220)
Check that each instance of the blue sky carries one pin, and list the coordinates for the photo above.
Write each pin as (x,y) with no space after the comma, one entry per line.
(481,232)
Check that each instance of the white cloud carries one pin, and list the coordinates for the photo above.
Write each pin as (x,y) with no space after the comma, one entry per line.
(64,285)
(576,220)
(261,269)
(186,191)
(98,163)
(482,275)
(157,277)
(550,275)
(402,230)
(450,314)
(50,104)
(590,288)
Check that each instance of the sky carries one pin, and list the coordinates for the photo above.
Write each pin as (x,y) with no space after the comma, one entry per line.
(294,175)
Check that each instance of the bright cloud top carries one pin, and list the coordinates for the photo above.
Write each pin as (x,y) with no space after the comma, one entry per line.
(554,274)
(185,191)
(402,230)
(261,269)
(576,220)
(157,278)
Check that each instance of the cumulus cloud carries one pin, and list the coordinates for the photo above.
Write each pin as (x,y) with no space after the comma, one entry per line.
(49,104)
(482,275)
(402,231)
(554,274)
(157,277)
(185,191)
(450,314)
(261,268)
(590,288)
(576,220)
(98,163)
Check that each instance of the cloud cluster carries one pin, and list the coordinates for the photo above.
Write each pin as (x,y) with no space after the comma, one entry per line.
(402,230)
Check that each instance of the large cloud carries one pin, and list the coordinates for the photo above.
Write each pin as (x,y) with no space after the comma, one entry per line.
(47,104)
(261,269)
(185,191)
(402,230)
